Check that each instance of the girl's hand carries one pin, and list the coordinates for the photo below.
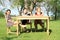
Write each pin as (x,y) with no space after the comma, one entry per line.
(15,22)
(10,20)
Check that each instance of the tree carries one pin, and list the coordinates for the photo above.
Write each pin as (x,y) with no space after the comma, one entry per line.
(29,4)
(17,3)
(1,14)
(2,2)
(54,4)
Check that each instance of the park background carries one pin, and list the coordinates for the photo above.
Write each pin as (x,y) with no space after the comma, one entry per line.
(50,8)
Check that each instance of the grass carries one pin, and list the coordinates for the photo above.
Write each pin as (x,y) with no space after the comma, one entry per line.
(54,26)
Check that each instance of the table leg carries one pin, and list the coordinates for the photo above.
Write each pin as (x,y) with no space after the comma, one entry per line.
(17,29)
(47,24)
(31,26)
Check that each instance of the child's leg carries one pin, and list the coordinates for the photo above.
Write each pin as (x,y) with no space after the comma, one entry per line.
(8,30)
(15,22)
(23,27)
(24,22)
(42,24)
(35,24)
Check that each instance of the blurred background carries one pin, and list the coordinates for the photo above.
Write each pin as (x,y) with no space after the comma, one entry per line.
(50,8)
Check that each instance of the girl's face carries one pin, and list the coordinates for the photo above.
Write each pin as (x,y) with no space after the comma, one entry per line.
(25,10)
(39,10)
(8,12)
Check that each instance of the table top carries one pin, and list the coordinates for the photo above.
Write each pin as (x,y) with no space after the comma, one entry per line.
(31,17)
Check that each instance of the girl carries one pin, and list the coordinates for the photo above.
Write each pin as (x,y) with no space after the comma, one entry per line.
(24,22)
(24,14)
(9,20)
(38,13)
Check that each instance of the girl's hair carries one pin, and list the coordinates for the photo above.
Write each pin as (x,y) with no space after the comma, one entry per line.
(7,11)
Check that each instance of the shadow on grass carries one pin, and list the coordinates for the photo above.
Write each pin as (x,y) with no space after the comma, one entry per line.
(38,30)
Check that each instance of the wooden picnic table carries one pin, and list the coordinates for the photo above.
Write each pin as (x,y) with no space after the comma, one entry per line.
(35,17)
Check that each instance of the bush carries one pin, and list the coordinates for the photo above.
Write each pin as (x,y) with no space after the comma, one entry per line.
(52,17)
(1,14)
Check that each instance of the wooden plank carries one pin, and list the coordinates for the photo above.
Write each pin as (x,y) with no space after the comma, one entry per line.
(32,17)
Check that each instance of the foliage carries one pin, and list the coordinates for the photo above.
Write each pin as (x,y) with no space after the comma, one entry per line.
(56,5)
(39,0)
(18,2)
(1,14)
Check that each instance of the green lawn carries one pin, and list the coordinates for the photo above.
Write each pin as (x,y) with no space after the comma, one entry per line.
(54,27)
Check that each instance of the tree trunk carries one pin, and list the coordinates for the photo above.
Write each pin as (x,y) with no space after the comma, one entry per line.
(33,4)
(55,13)
(25,4)
(21,10)
(48,13)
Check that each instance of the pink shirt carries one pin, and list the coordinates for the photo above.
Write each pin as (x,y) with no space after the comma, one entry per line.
(39,14)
